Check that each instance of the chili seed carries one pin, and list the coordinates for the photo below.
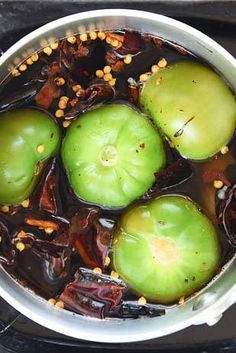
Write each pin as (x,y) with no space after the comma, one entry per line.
(128,59)
(107,69)
(25,203)
(20,246)
(224,150)
(59,305)
(101,35)
(218,184)
(52,301)
(155,69)
(5,209)
(59,81)
(162,63)
(47,51)
(114,274)
(142,301)
(40,148)
(99,73)
(23,67)
(112,82)
(54,45)
(107,77)
(59,113)
(93,35)
(83,37)
(97,270)
(71,39)
(66,123)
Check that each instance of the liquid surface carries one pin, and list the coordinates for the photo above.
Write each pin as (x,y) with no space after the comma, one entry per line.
(63,235)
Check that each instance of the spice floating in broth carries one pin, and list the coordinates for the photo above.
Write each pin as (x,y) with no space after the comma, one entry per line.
(51,235)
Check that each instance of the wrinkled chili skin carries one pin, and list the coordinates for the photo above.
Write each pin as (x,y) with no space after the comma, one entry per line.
(91,233)
(7,252)
(92,294)
(173,175)
(47,197)
(227,214)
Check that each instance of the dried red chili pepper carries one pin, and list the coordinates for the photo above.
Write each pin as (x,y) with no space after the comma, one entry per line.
(132,44)
(21,96)
(47,273)
(227,214)
(91,233)
(173,175)
(7,253)
(92,294)
(133,94)
(48,193)
(47,94)
(95,94)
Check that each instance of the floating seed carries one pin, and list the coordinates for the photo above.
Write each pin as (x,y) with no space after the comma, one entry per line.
(71,39)
(59,113)
(162,63)
(93,35)
(23,67)
(52,301)
(59,305)
(25,203)
(99,73)
(107,77)
(83,37)
(20,246)
(218,184)
(47,51)
(114,274)
(5,209)
(66,123)
(107,69)
(224,150)
(128,59)
(40,148)
(101,35)
(97,270)
(142,301)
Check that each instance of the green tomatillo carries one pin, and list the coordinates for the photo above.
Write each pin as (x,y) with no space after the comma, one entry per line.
(111,154)
(166,249)
(193,107)
(28,138)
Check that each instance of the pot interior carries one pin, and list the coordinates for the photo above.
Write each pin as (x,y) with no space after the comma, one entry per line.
(211,301)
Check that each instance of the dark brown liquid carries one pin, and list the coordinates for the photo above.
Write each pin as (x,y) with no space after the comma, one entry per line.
(39,268)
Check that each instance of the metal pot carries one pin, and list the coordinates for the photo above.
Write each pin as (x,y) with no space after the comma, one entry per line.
(214,299)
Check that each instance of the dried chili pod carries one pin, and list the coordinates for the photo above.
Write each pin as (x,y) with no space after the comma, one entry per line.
(91,234)
(20,97)
(227,214)
(132,44)
(45,265)
(47,197)
(171,176)
(7,253)
(93,294)
(95,94)
(134,310)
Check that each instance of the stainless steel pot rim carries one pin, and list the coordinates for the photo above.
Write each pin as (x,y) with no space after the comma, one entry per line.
(115,330)
(81,331)
(118,13)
